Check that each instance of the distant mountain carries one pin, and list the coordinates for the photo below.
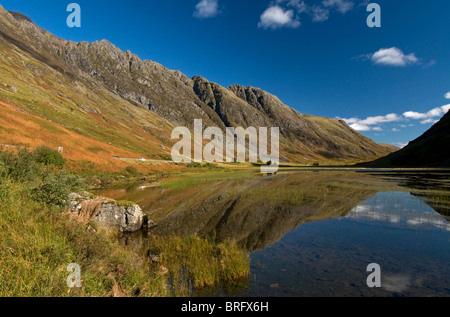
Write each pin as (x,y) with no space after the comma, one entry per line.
(432,149)
(392,148)
(101,92)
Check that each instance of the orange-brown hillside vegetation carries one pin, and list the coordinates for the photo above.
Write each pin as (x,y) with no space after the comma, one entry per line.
(19,128)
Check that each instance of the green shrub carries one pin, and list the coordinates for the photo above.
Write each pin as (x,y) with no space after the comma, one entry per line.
(48,156)
(200,165)
(131,170)
(165,157)
(56,187)
(3,170)
(211,165)
(18,167)
(194,165)
(5,191)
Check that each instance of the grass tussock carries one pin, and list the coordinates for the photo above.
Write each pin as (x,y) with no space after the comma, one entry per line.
(194,263)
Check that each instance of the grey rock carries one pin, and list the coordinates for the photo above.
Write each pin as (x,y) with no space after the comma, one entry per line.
(123,218)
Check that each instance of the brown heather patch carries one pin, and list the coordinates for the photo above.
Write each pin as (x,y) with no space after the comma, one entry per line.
(26,130)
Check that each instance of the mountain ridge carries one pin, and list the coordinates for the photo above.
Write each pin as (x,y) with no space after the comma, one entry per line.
(102,69)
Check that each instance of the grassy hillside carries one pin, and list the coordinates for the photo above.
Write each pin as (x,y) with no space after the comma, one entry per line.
(22,129)
(38,89)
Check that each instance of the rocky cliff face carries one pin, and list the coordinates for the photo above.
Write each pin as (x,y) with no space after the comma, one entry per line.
(150,87)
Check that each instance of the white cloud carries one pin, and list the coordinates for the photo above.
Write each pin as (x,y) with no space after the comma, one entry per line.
(206,9)
(342,6)
(428,117)
(286,13)
(415,115)
(393,57)
(360,127)
(368,123)
(373,123)
(431,120)
(447,95)
(276,17)
(382,119)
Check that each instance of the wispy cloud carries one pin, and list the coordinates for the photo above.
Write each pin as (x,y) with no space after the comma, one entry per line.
(320,14)
(342,6)
(393,57)
(298,5)
(447,95)
(206,9)
(431,116)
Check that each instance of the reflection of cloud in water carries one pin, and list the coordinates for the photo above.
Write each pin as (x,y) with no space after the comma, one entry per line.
(399,283)
(400,209)
(396,283)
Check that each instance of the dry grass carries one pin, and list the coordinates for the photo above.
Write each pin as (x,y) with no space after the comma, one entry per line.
(22,129)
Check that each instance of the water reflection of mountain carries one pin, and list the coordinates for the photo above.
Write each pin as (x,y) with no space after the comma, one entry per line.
(419,182)
(400,209)
(319,257)
(256,212)
(418,179)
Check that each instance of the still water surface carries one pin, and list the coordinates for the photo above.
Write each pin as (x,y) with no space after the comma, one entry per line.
(407,238)
(312,234)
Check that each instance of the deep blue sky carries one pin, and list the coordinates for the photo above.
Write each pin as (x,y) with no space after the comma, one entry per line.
(321,68)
